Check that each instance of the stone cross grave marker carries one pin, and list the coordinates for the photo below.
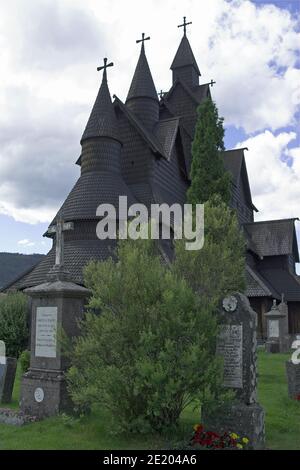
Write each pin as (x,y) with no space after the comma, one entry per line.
(57,305)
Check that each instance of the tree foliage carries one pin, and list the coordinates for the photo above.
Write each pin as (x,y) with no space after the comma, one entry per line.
(219,267)
(208,174)
(151,351)
(14,329)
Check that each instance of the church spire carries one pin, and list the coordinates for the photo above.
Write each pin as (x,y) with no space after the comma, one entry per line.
(142,98)
(184,65)
(100,142)
(102,121)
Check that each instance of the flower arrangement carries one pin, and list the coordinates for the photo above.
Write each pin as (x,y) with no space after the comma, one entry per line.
(213,440)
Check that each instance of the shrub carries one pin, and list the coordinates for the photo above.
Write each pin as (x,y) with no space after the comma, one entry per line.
(14,329)
(151,351)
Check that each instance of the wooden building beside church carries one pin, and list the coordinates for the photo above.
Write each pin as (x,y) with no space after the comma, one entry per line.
(141,148)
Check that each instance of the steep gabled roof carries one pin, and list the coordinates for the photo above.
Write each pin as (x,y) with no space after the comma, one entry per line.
(184,56)
(284,282)
(162,139)
(234,161)
(102,121)
(142,84)
(274,237)
(197,94)
(148,136)
(166,131)
(257,286)
(77,253)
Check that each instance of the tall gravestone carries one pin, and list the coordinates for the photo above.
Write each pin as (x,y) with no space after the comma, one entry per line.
(8,367)
(293,371)
(278,340)
(57,305)
(237,345)
(293,376)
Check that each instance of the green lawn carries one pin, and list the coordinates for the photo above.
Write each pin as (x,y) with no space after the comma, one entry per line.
(282,421)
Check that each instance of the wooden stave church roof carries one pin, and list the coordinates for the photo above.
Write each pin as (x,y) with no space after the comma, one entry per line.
(156,141)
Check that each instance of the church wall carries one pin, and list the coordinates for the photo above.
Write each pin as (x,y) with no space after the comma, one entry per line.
(244,213)
(261,305)
(290,263)
(169,178)
(135,155)
(294,318)
(181,102)
(270,262)
(187,74)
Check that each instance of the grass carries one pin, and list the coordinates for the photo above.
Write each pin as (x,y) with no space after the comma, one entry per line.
(282,421)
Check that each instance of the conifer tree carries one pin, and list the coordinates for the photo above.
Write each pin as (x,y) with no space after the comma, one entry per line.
(208,173)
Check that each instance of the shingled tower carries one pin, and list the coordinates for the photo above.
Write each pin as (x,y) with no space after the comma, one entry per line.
(142,98)
(184,65)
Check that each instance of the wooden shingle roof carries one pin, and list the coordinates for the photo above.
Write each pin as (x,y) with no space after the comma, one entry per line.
(142,85)
(102,121)
(257,286)
(184,56)
(274,237)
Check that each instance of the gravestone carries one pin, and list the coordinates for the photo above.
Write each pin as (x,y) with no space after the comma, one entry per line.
(278,340)
(8,367)
(57,305)
(237,345)
(293,377)
(293,371)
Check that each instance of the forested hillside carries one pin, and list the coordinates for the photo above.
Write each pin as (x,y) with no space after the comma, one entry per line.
(14,264)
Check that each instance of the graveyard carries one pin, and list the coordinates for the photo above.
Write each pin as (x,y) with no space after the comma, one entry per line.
(282,421)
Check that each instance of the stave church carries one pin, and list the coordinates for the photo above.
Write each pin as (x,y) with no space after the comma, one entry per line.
(141,148)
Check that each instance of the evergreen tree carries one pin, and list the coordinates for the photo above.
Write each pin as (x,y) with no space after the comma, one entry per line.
(151,351)
(208,173)
(218,269)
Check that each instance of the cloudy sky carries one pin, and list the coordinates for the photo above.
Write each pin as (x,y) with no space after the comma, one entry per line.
(48,82)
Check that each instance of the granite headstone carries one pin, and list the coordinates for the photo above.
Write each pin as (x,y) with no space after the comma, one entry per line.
(8,367)
(237,346)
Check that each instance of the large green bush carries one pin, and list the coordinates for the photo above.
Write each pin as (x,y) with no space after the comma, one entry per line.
(151,351)
(14,329)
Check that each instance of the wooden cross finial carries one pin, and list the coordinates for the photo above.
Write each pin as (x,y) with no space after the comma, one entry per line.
(212,83)
(143,39)
(184,25)
(105,65)
(161,94)
(59,230)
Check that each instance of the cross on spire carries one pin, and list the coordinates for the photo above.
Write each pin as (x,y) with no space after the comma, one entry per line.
(59,230)
(105,66)
(184,25)
(161,94)
(143,39)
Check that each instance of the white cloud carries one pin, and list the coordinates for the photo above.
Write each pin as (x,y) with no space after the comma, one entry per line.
(49,53)
(275,185)
(26,242)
